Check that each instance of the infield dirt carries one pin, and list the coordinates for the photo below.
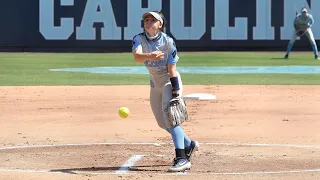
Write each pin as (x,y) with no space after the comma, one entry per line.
(36,115)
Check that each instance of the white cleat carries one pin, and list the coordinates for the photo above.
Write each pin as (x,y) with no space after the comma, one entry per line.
(180,165)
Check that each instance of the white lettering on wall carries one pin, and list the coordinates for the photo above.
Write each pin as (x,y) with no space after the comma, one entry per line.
(91,15)
(222,31)
(101,11)
(198,17)
(263,29)
(46,21)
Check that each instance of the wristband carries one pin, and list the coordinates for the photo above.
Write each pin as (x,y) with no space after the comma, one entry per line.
(175,95)
(175,83)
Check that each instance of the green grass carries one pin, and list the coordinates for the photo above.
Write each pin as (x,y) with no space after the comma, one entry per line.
(32,68)
(245,59)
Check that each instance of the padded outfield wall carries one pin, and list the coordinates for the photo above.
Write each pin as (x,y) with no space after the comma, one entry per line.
(109,25)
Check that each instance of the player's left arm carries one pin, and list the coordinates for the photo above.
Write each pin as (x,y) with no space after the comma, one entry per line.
(177,108)
(172,61)
(174,79)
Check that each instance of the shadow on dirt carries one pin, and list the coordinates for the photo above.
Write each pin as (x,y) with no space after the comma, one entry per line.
(153,168)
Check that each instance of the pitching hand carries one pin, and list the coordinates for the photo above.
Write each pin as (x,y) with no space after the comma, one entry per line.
(157,55)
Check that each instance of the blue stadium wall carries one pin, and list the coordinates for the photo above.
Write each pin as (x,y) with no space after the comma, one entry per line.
(109,25)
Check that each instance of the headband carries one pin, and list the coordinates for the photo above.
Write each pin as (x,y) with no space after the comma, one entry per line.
(154,14)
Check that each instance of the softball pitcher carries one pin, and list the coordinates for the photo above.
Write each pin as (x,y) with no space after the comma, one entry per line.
(302,24)
(158,52)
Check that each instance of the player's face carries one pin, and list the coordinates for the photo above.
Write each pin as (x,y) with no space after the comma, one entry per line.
(304,14)
(152,25)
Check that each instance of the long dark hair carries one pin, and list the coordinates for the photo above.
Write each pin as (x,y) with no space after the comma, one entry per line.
(163,18)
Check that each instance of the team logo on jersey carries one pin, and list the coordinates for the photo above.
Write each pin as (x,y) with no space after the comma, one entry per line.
(174,53)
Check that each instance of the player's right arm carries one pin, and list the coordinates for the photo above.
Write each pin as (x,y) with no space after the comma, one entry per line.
(295,23)
(139,56)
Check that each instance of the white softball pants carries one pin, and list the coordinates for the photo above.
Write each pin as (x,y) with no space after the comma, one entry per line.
(159,98)
(309,35)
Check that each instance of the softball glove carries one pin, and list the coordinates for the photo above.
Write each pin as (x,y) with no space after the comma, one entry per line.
(301,33)
(177,111)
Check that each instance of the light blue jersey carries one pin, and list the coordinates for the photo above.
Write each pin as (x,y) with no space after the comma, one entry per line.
(158,69)
(303,23)
(163,87)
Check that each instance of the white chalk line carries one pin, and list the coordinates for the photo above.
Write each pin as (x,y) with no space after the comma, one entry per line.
(162,174)
(129,163)
(256,173)
(80,144)
(265,145)
(157,144)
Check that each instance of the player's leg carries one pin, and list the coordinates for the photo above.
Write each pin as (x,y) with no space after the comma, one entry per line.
(157,109)
(168,94)
(181,162)
(156,106)
(190,145)
(313,43)
(156,98)
(290,44)
(187,141)
(176,132)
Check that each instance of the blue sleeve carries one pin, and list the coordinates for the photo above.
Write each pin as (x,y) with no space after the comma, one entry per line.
(312,20)
(173,56)
(135,43)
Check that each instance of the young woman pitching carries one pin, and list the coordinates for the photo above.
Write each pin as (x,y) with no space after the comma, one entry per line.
(158,52)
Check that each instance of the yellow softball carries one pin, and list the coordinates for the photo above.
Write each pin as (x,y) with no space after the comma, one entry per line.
(124,112)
